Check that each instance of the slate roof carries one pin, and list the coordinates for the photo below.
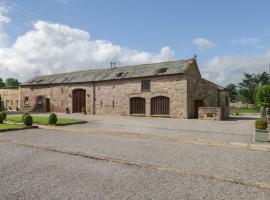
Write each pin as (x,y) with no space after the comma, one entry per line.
(95,75)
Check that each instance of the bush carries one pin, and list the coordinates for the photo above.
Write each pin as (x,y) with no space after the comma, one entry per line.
(261,124)
(52,118)
(1,118)
(28,120)
(262,97)
(23,116)
(4,114)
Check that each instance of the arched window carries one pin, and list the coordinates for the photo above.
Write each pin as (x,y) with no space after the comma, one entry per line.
(137,105)
(160,105)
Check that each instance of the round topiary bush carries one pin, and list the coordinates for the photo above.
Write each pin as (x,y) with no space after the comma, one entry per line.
(4,114)
(52,118)
(28,120)
(1,118)
(23,116)
(261,124)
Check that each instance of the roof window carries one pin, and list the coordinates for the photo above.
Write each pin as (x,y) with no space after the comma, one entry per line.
(119,74)
(162,70)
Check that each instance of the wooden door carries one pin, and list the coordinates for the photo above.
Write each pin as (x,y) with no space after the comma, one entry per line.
(48,105)
(160,105)
(79,99)
(197,104)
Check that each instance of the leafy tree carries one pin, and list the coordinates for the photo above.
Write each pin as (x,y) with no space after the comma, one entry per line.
(2,84)
(263,96)
(250,83)
(232,91)
(12,82)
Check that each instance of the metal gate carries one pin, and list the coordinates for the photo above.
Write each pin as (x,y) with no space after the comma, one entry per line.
(160,105)
(137,105)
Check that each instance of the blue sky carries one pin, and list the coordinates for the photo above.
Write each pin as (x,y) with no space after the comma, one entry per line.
(229,37)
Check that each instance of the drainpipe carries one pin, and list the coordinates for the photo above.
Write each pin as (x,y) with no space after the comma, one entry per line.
(94,98)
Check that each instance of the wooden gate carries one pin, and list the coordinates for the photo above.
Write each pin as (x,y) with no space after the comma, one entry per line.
(78,100)
(160,105)
(137,105)
(197,104)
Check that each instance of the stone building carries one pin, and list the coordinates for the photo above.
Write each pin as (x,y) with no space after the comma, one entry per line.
(10,98)
(169,89)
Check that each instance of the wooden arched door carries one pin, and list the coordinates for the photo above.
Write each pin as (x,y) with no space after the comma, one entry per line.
(78,100)
(160,105)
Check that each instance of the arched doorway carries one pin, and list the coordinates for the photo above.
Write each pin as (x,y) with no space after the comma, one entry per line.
(137,105)
(160,105)
(78,100)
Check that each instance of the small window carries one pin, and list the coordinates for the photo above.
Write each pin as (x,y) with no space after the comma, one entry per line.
(113,103)
(119,74)
(162,70)
(26,101)
(39,100)
(146,85)
(101,104)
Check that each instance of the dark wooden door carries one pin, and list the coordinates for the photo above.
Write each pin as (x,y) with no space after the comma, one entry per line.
(79,98)
(197,104)
(48,105)
(160,105)
(137,105)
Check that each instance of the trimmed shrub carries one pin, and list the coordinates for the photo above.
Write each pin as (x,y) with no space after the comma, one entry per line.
(52,118)
(261,124)
(23,116)
(4,114)
(28,120)
(1,118)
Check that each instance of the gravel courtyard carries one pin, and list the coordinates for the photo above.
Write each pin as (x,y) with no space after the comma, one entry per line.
(134,158)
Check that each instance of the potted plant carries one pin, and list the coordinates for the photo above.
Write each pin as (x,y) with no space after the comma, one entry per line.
(84,111)
(67,110)
(261,132)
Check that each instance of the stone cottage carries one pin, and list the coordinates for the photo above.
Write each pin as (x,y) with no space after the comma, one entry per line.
(168,89)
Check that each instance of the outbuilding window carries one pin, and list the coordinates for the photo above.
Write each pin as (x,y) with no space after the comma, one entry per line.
(145,85)
(39,100)
(26,101)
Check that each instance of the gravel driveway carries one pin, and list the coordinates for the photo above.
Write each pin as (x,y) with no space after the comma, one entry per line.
(94,161)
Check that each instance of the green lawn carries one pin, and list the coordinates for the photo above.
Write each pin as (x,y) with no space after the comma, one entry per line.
(44,120)
(248,110)
(10,126)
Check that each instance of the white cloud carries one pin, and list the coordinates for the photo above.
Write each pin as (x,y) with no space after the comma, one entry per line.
(246,41)
(230,69)
(203,43)
(54,48)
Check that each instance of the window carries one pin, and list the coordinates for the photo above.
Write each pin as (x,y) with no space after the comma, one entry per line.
(119,74)
(39,100)
(101,104)
(162,70)
(62,90)
(113,103)
(26,101)
(146,85)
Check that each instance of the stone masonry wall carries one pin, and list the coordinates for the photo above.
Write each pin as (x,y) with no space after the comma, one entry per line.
(120,92)
(112,97)
(10,98)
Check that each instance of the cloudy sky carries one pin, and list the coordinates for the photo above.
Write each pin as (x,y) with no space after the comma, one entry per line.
(53,36)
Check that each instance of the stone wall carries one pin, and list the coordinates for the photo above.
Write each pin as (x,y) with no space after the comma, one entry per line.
(10,98)
(111,97)
(213,113)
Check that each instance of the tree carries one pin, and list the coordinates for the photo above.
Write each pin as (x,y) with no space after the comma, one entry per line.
(250,83)
(2,84)
(263,96)
(12,82)
(232,91)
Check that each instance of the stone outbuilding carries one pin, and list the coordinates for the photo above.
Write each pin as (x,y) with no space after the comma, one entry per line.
(169,89)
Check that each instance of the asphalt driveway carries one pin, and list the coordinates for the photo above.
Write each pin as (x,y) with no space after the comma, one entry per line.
(134,158)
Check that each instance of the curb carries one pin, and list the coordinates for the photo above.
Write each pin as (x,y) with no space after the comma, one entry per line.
(18,129)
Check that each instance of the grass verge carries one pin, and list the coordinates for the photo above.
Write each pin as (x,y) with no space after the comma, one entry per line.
(44,120)
(12,127)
